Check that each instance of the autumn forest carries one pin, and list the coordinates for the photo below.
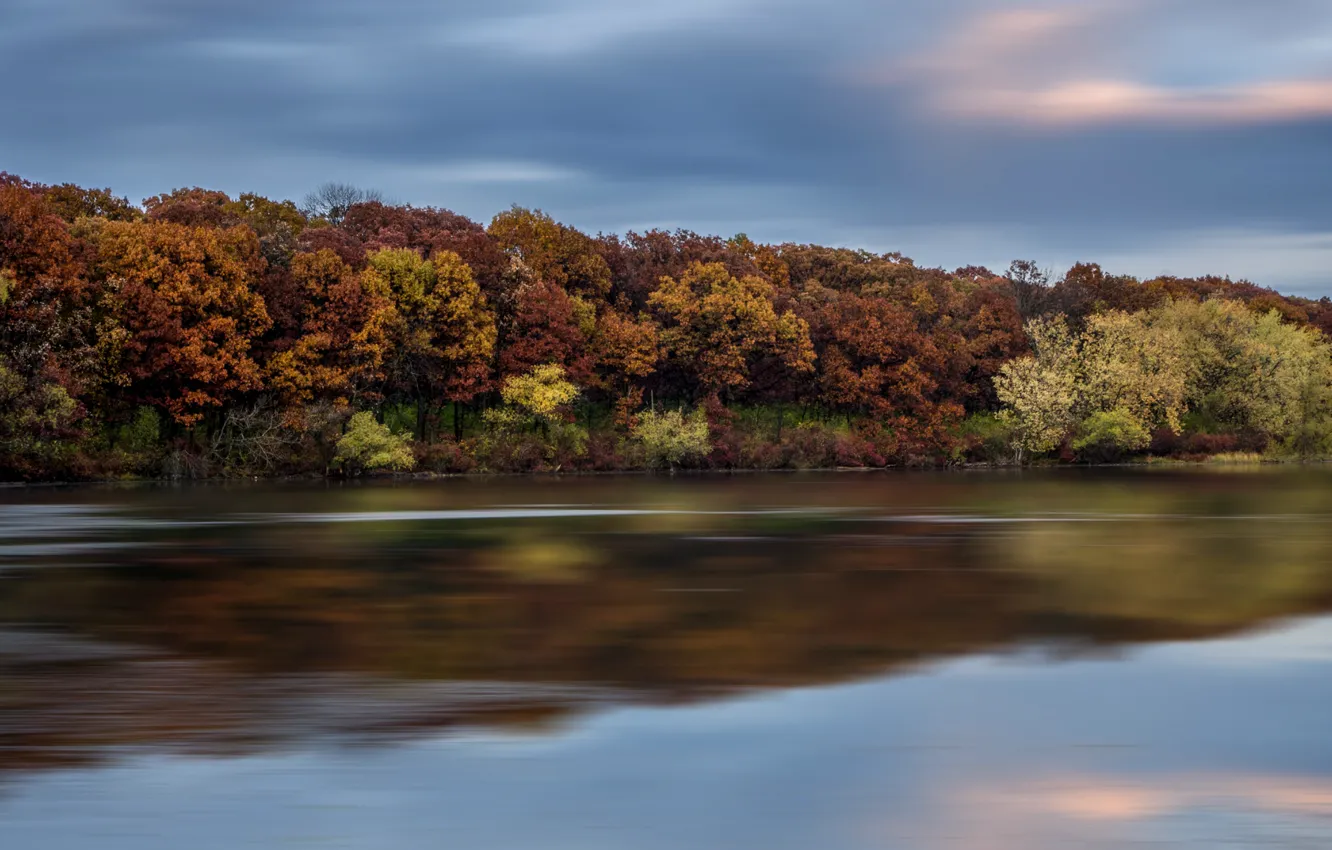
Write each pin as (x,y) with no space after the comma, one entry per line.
(202,335)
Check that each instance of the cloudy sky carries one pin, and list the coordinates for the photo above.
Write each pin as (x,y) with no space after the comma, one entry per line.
(1180,136)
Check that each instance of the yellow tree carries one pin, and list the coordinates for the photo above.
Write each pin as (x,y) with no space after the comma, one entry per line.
(1038,391)
(716,327)
(1130,364)
(440,334)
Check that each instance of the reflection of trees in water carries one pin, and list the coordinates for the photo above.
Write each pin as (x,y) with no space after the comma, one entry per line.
(266,634)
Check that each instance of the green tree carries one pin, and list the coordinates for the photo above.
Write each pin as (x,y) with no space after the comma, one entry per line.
(1245,370)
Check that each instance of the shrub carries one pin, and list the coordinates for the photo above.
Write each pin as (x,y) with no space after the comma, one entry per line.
(1109,435)
(369,445)
(445,456)
(508,451)
(810,446)
(143,434)
(986,438)
(670,438)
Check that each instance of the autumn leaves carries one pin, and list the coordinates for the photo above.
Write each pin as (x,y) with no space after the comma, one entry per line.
(199,306)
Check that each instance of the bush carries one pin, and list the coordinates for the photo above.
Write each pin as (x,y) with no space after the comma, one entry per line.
(1110,435)
(986,438)
(671,439)
(508,451)
(369,445)
(445,456)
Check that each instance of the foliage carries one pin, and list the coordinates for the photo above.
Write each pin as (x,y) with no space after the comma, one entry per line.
(539,401)
(439,335)
(183,296)
(1135,367)
(671,439)
(34,417)
(1039,391)
(553,252)
(369,445)
(986,437)
(716,327)
(1110,434)
(541,393)
(253,327)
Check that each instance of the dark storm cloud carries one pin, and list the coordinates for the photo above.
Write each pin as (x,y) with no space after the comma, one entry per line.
(957,131)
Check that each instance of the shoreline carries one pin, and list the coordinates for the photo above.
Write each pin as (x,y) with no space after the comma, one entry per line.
(379,477)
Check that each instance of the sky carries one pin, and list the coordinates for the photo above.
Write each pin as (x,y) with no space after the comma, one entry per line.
(1152,136)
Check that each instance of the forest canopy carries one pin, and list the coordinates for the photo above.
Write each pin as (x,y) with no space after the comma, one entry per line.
(198,334)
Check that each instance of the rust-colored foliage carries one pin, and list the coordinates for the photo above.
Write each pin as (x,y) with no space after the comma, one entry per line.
(201,305)
(339,348)
(552,251)
(550,326)
(185,299)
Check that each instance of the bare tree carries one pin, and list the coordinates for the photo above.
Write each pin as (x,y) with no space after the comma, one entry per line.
(1030,287)
(332,200)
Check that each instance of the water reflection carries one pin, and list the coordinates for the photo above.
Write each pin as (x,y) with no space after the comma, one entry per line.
(776,660)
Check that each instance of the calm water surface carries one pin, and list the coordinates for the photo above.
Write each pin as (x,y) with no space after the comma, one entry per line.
(1135,658)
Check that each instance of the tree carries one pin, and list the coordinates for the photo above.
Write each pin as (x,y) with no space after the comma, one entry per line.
(1030,287)
(340,336)
(626,351)
(1244,371)
(183,295)
(331,201)
(1131,365)
(36,413)
(554,252)
(550,326)
(1039,391)
(542,393)
(539,398)
(440,336)
(72,202)
(192,207)
(715,328)
(1108,434)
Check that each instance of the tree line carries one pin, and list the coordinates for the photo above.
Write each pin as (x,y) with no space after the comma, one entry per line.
(199,334)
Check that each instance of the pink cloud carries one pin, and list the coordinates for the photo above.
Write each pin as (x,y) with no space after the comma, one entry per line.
(1109,100)
(1068,66)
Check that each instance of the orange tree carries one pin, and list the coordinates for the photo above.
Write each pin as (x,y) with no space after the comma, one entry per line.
(183,295)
